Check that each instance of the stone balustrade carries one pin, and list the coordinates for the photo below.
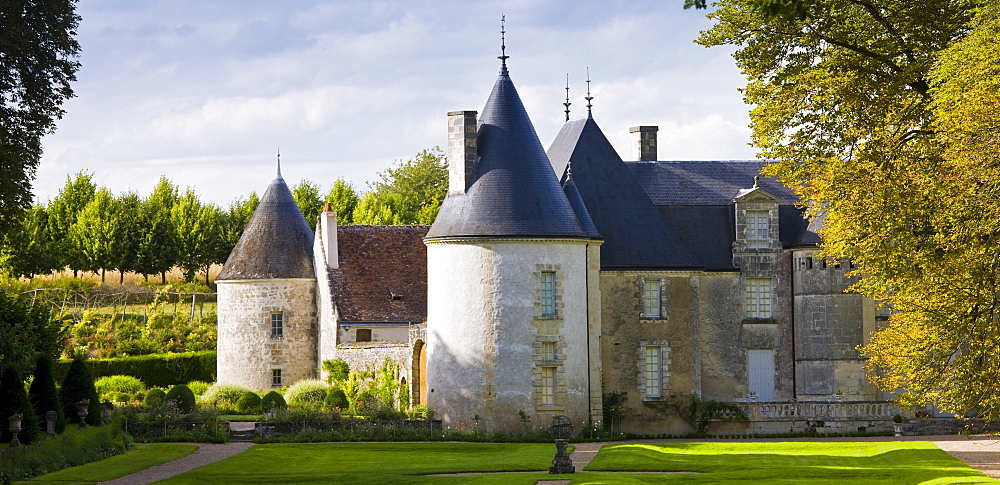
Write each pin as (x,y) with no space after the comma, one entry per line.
(821,411)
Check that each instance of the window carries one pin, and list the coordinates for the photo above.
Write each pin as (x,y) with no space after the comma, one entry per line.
(277,325)
(758,298)
(757,234)
(363,335)
(651,298)
(548,295)
(654,380)
(548,386)
(275,377)
(548,351)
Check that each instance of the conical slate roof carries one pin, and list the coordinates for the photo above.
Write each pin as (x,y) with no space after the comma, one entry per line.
(579,207)
(513,191)
(277,242)
(635,233)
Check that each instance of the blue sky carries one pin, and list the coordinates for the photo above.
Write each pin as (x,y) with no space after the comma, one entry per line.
(206,92)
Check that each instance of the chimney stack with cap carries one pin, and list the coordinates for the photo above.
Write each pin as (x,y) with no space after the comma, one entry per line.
(644,142)
(461,150)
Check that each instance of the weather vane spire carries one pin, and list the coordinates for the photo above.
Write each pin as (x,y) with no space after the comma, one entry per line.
(503,45)
(588,97)
(279,163)
(567,103)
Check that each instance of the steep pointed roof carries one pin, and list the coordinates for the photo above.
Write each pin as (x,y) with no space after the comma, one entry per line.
(277,242)
(579,207)
(513,191)
(635,233)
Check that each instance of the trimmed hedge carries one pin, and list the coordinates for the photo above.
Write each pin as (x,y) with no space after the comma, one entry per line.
(160,370)
(74,447)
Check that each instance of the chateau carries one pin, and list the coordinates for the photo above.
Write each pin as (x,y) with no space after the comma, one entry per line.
(553,278)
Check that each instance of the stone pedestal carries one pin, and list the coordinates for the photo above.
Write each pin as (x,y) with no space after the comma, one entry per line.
(50,424)
(562,463)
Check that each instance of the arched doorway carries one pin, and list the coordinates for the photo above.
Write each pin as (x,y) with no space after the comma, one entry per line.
(419,373)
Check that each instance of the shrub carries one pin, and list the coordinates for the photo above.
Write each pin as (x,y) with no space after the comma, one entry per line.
(14,400)
(43,394)
(182,397)
(75,447)
(337,370)
(115,396)
(117,384)
(161,370)
(198,387)
(79,385)
(273,402)
(335,398)
(308,393)
(248,403)
(222,395)
(154,398)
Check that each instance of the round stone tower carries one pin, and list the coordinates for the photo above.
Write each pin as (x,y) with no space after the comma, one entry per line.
(267,298)
(508,266)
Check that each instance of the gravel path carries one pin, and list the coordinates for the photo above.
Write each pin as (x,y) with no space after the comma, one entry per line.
(207,453)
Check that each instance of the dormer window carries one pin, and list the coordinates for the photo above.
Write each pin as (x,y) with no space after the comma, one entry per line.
(757,233)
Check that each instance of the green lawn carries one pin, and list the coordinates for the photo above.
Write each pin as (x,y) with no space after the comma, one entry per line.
(139,458)
(389,463)
(786,462)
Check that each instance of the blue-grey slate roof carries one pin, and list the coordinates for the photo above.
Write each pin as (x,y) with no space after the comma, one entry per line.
(513,191)
(277,242)
(634,235)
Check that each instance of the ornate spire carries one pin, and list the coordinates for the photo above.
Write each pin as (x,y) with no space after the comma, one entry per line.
(567,103)
(278,175)
(503,46)
(589,98)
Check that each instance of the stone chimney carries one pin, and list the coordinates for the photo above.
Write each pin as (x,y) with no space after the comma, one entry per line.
(461,150)
(644,142)
(328,230)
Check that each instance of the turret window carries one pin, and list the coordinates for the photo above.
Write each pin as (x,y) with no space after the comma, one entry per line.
(275,377)
(757,233)
(548,293)
(277,325)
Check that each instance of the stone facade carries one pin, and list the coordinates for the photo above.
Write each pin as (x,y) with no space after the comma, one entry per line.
(249,349)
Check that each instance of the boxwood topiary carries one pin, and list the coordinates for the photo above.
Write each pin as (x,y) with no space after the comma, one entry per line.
(273,402)
(155,398)
(248,403)
(182,397)
(79,385)
(335,398)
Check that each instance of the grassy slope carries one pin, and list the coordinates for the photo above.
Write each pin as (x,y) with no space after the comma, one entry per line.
(778,462)
(138,458)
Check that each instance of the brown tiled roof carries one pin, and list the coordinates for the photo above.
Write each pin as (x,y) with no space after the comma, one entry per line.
(382,275)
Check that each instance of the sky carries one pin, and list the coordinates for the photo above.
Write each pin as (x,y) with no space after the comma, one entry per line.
(207,93)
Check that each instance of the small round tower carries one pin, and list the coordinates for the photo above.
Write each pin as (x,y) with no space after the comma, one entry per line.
(267,298)
(508,266)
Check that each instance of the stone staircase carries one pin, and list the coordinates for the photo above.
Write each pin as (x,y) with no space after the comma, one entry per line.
(242,431)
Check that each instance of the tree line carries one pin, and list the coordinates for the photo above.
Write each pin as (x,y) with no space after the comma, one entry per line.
(86,228)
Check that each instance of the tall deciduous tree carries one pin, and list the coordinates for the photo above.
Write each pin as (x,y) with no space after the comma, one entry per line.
(342,199)
(872,110)
(93,234)
(30,250)
(63,212)
(414,189)
(306,194)
(129,228)
(235,220)
(37,52)
(156,251)
(197,234)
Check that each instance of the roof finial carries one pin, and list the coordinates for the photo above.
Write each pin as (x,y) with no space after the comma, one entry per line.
(279,164)
(756,181)
(503,46)
(569,169)
(589,98)
(567,103)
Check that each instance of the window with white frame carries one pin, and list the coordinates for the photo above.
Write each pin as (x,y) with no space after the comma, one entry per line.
(275,377)
(548,386)
(548,293)
(651,298)
(757,234)
(757,294)
(277,325)
(653,371)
